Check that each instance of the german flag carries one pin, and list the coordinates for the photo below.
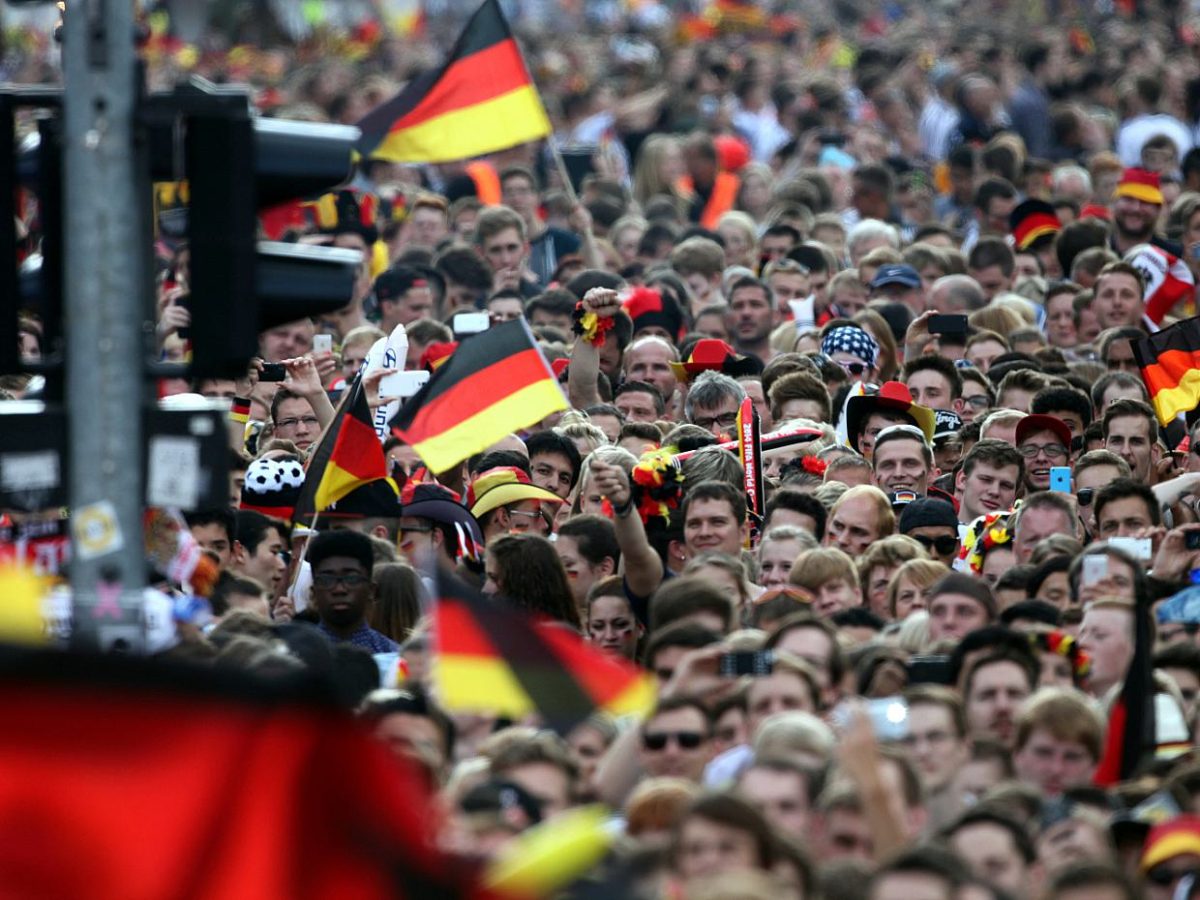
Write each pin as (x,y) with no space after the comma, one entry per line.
(494,658)
(480,101)
(496,382)
(1170,364)
(348,455)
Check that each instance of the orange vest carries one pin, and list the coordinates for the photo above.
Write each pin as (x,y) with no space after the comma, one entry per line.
(487,182)
(720,201)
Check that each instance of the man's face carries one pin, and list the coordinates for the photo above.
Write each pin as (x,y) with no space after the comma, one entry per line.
(637,406)
(544,317)
(719,420)
(900,466)
(987,489)
(930,535)
(427,227)
(1052,765)
(991,853)
(995,218)
(417,303)
(353,356)
(218,388)
(1130,438)
(504,250)
(1118,301)
(1135,218)
(1119,358)
(461,298)
(1048,451)
(853,526)
(982,353)
(295,422)
(781,796)
(341,591)
(789,286)
(775,246)
(804,409)
(994,695)
(751,316)
(1093,478)
(408,736)
(954,615)
(419,541)
(775,693)
(1127,517)
(650,362)
(933,744)
(931,389)
(287,341)
(992,280)
(1037,524)
(710,525)
(675,744)
(265,564)
(553,472)
(214,538)
(505,309)
(518,194)
(847,836)
(548,784)
(702,288)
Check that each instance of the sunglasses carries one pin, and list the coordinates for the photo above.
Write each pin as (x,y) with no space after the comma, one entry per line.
(657,740)
(1085,495)
(1164,876)
(854,368)
(942,545)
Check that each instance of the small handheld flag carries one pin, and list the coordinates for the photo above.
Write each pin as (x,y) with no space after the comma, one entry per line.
(1170,365)
(495,383)
(481,100)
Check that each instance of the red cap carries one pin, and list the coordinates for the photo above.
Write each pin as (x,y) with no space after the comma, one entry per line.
(1036,422)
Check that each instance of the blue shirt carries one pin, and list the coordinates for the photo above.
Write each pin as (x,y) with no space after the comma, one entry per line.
(367,638)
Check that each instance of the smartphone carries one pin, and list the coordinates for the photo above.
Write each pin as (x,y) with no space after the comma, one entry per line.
(1191,540)
(403,384)
(470,323)
(1060,479)
(1138,548)
(948,324)
(273,372)
(888,715)
(1095,568)
(752,662)
(322,343)
(932,669)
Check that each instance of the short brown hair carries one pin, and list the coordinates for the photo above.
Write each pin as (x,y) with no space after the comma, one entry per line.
(814,568)
(1064,714)
(798,386)
(698,255)
(940,695)
(495,219)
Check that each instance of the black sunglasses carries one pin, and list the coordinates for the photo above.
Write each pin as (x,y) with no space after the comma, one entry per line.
(942,545)
(657,740)
(1164,876)
(1085,495)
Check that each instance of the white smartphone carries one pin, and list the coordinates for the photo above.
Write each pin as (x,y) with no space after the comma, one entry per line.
(403,384)
(1138,548)
(322,343)
(1095,568)
(470,323)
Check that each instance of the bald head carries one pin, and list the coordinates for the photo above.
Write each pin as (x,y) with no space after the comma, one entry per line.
(956,295)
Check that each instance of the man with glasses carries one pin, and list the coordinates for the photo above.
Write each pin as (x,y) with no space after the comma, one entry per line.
(342,591)
(932,522)
(505,501)
(712,403)
(1044,442)
(676,740)
(300,408)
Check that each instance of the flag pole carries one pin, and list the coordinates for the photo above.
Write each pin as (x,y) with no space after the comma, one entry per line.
(303,553)
(563,174)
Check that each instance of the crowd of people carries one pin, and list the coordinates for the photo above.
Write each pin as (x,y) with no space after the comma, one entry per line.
(924,251)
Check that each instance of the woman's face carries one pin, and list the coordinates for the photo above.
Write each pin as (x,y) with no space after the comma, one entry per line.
(756,193)
(736,245)
(670,164)
(909,596)
(722,579)
(590,501)
(708,848)
(775,562)
(613,627)
(875,591)
(998,561)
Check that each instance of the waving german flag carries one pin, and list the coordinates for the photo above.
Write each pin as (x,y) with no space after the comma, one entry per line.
(480,101)
(496,382)
(348,455)
(491,657)
(1170,364)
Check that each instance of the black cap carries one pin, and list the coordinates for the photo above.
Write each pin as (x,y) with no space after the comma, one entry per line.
(395,283)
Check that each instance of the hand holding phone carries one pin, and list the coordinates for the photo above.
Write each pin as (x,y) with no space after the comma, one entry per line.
(272,372)
(949,325)
(322,343)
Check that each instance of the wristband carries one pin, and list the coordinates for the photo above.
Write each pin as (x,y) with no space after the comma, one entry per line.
(589,326)
(624,509)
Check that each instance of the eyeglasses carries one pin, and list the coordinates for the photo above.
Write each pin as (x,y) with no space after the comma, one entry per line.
(657,740)
(1085,495)
(1052,451)
(978,401)
(942,545)
(308,421)
(727,420)
(329,580)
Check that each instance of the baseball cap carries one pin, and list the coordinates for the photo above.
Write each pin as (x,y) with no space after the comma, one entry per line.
(1036,422)
(896,273)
